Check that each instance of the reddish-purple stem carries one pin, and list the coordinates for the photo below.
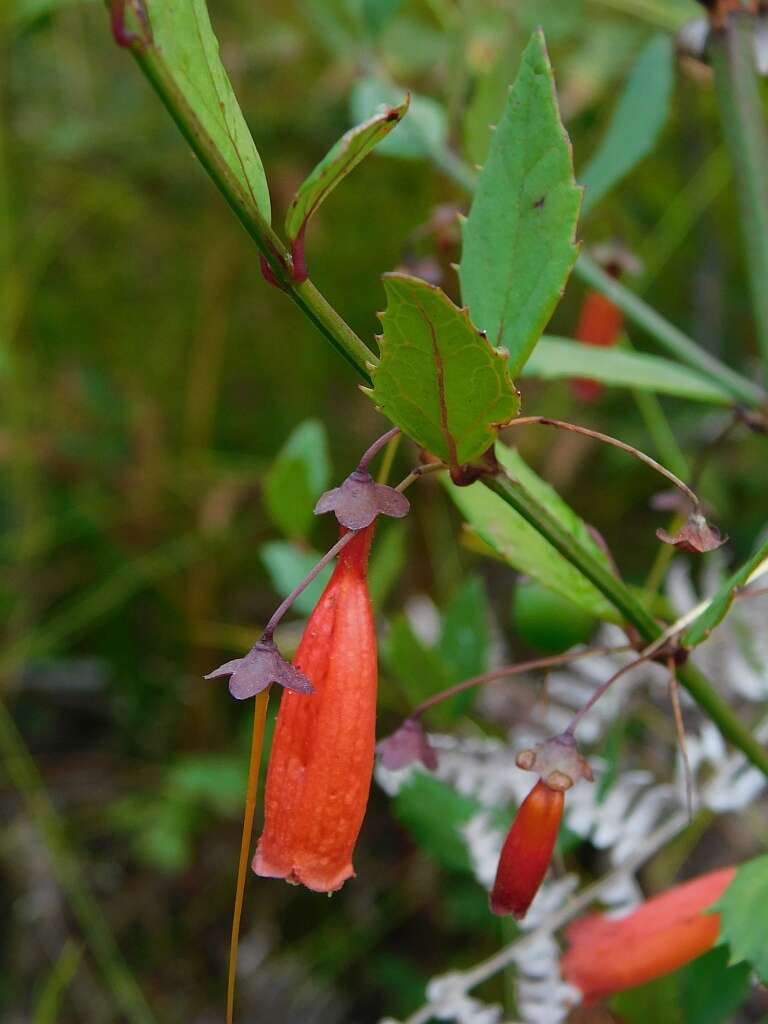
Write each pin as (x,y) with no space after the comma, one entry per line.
(510,670)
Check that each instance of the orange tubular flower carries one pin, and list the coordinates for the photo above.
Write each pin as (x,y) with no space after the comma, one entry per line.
(527,850)
(662,935)
(600,324)
(322,755)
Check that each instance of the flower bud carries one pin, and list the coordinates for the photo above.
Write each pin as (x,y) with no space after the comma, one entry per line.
(527,850)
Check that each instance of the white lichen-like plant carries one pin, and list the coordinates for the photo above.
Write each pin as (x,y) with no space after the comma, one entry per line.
(628,817)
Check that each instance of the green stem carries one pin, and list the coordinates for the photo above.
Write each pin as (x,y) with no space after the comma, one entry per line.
(746,138)
(23,773)
(305,295)
(666,334)
(515,495)
(341,336)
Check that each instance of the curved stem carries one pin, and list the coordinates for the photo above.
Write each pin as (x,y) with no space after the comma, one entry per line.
(375,448)
(299,589)
(574,428)
(257,743)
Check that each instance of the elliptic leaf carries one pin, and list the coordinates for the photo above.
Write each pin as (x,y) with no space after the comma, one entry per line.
(636,123)
(518,241)
(184,39)
(345,155)
(716,611)
(439,379)
(555,358)
(425,130)
(742,915)
(523,547)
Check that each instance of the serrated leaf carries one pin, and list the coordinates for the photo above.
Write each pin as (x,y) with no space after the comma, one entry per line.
(518,241)
(186,44)
(425,130)
(555,358)
(523,547)
(439,379)
(716,611)
(710,990)
(297,478)
(287,565)
(342,158)
(639,117)
(742,915)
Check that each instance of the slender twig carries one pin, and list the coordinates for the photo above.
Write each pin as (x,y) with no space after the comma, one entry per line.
(674,697)
(604,687)
(257,743)
(512,670)
(418,472)
(299,589)
(574,428)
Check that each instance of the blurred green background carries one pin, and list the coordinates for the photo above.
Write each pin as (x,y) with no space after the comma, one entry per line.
(149,378)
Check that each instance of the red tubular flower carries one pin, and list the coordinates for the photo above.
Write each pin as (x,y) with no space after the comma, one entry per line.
(662,935)
(527,850)
(600,323)
(322,755)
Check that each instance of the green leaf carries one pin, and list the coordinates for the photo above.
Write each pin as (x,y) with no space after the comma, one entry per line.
(186,44)
(434,812)
(387,562)
(420,669)
(742,915)
(464,636)
(439,379)
(296,479)
(710,990)
(523,547)
(343,157)
(640,115)
(518,241)
(422,133)
(656,1001)
(287,565)
(716,611)
(554,358)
